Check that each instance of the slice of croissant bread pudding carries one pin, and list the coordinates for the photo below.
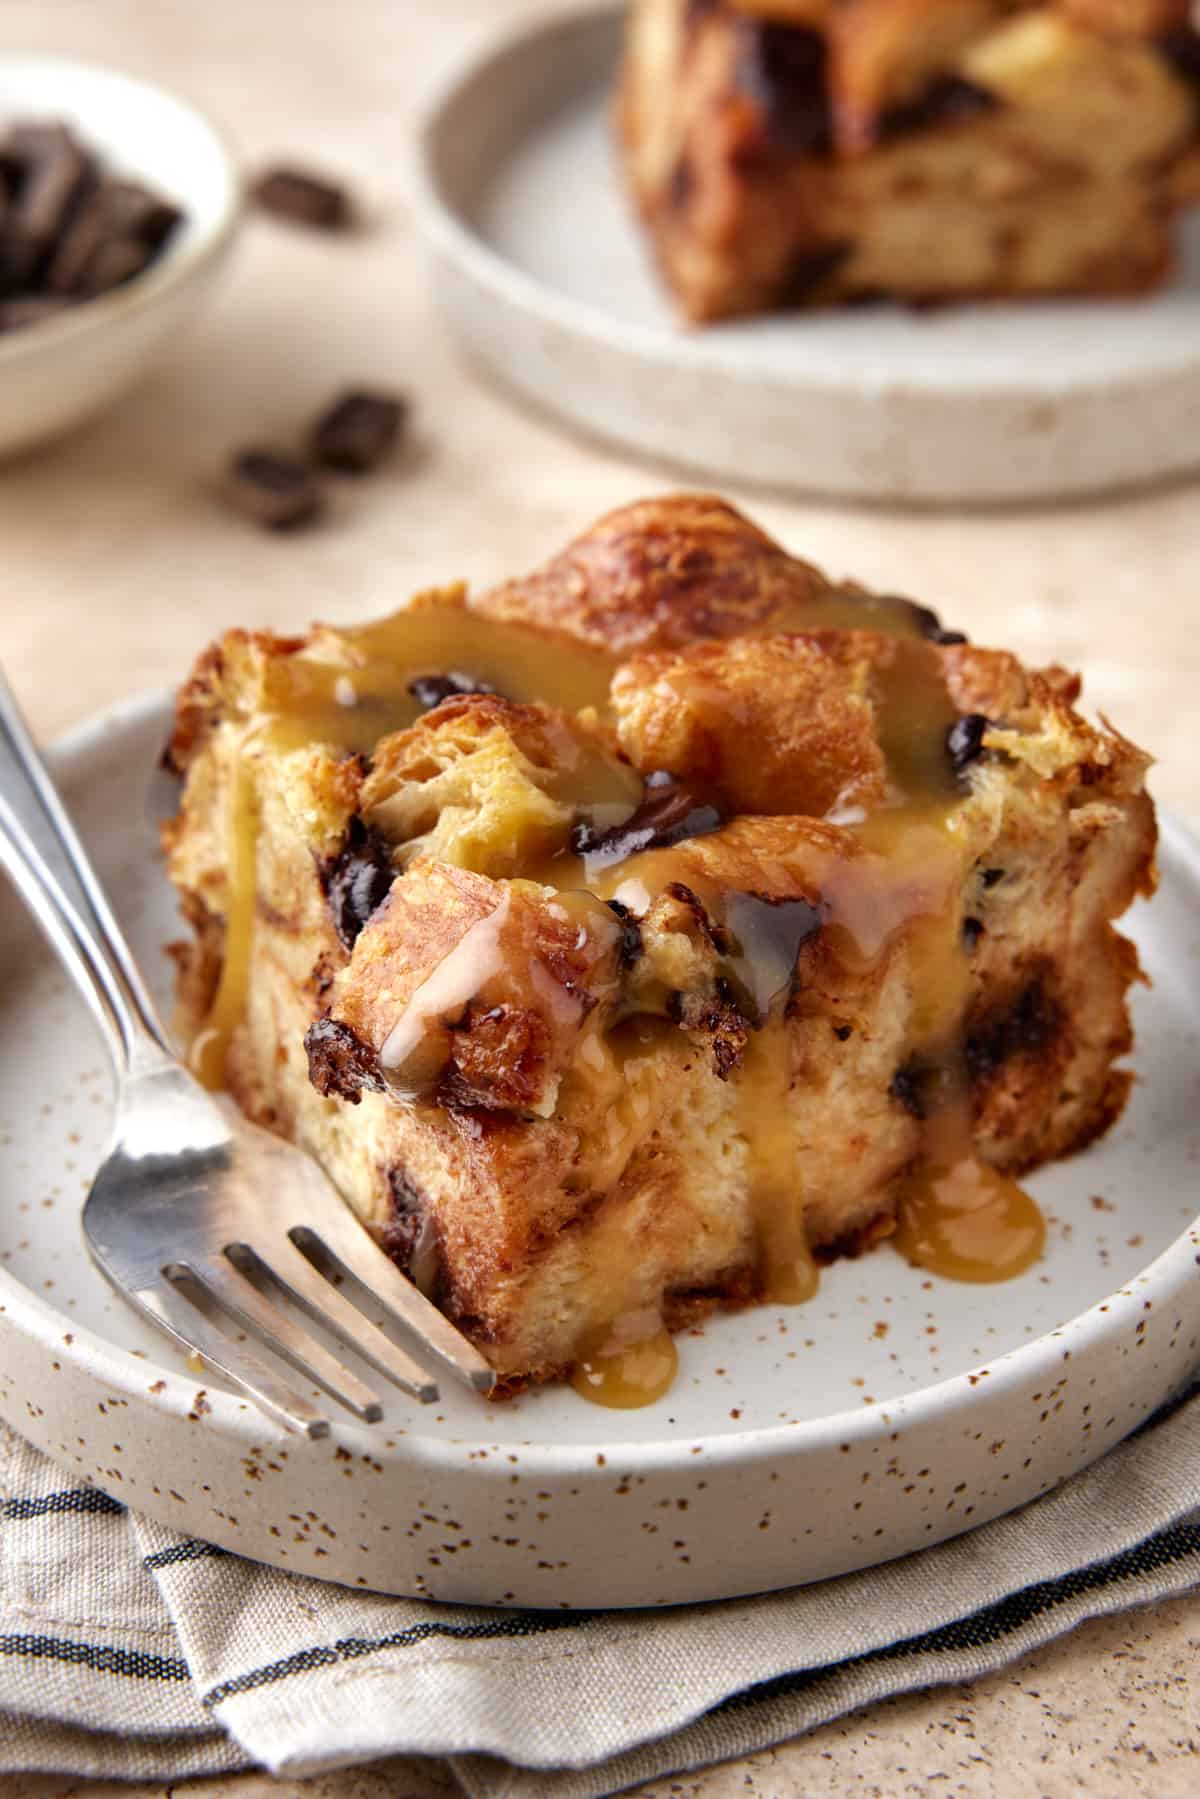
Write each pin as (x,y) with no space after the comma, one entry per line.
(796,152)
(639,934)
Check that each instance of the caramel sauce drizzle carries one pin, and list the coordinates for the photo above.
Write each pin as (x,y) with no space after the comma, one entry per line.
(788,1272)
(761,942)
(412,1056)
(848,609)
(473,962)
(351,695)
(353,687)
(358,691)
(958,1216)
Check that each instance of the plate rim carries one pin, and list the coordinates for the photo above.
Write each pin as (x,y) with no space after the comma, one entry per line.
(125,1373)
(698,351)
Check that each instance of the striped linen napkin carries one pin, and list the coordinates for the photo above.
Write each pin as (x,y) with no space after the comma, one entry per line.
(129,1651)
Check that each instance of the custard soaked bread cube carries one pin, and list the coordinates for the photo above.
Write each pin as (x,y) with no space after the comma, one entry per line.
(635,936)
(795,152)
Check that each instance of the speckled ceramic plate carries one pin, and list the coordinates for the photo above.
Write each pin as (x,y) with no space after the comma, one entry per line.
(547,281)
(891,1411)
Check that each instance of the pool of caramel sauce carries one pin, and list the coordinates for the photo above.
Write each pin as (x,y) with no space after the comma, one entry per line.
(957,1216)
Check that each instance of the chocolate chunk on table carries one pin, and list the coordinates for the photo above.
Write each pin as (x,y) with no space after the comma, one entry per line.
(304,199)
(358,431)
(272,489)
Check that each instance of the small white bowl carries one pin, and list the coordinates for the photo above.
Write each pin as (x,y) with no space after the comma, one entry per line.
(65,369)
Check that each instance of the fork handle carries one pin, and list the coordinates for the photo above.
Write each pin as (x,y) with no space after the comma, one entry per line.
(73,911)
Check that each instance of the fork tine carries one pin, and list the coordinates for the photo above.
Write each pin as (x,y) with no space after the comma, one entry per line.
(342,1236)
(229,1287)
(173,1312)
(322,1301)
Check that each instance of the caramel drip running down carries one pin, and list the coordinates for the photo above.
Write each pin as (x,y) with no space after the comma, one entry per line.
(762,941)
(625,1376)
(787,1271)
(958,1217)
(765,942)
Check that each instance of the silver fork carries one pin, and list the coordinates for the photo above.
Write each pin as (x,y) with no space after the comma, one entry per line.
(198,1217)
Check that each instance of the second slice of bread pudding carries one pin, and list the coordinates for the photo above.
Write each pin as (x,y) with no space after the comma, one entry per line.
(635,935)
(805,152)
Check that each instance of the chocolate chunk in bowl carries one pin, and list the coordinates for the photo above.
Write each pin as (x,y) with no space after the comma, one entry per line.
(54,173)
(116,215)
(69,230)
(118,203)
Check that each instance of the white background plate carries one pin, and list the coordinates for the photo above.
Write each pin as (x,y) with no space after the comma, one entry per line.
(890,1412)
(546,280)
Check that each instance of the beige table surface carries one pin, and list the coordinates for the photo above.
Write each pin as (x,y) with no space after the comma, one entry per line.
(118,563)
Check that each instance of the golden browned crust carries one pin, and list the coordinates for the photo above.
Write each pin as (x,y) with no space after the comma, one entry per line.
(540,734)
(535,1096)
(545,969)
(711,713)
(795,154)
(223,678)
(660,574)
